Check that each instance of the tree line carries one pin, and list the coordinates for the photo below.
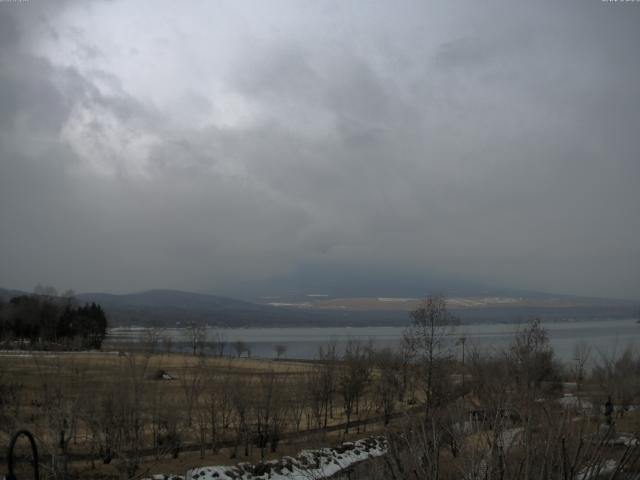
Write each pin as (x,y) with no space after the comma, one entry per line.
(44,320)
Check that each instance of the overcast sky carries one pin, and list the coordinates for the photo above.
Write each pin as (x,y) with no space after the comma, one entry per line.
(208,145)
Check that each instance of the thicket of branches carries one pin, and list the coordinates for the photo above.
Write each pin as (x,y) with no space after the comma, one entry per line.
(506,421)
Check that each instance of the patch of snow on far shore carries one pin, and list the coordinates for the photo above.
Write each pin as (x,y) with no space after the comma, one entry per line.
(395,299)
(284,304)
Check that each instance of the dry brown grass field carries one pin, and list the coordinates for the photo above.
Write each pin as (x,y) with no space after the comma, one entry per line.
(129,414)
(90,406)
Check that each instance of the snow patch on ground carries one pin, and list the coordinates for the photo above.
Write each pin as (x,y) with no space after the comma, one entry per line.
(309,464)
(510,436)
(623,439)
(571,401)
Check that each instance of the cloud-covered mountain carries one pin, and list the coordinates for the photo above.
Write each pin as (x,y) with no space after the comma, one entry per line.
(234,142)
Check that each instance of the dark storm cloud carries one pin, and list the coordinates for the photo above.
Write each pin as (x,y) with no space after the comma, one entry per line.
(495,143)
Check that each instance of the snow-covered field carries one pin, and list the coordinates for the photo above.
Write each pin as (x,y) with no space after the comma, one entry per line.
(307,465)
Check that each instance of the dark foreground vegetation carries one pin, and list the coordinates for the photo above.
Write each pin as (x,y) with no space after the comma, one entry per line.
(447,412)
(46,320)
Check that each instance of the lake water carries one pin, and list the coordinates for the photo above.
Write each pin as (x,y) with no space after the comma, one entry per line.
(604,336)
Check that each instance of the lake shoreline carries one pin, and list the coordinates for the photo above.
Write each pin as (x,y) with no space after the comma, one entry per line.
(303,342)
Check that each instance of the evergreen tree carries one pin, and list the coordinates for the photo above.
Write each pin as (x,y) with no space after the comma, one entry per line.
(47,319)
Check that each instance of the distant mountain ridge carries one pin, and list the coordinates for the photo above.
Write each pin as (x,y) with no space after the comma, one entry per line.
(163,307)
(167,298)
(179,308)
(174,307)
(7,293)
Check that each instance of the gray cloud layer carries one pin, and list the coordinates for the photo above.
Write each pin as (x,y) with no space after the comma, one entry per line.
(153,145)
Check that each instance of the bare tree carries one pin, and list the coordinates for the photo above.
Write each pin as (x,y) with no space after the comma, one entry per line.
(60,406)
(581,355)
(69,295)
(151,338)
(617,375)
(11,401)
(217,399)
(45,290)
(322,385)
(165,422)
(123,417)
(280,350)
(269,411)
(192,382)
(353,377)
(218,343)
(240,347)
(196,334)
(203,421)
(387,381)
(299,400)
(530,362)
(167,344)
(240,399)
(427,336)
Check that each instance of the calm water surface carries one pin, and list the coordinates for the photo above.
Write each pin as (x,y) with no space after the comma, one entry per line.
(605,336)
